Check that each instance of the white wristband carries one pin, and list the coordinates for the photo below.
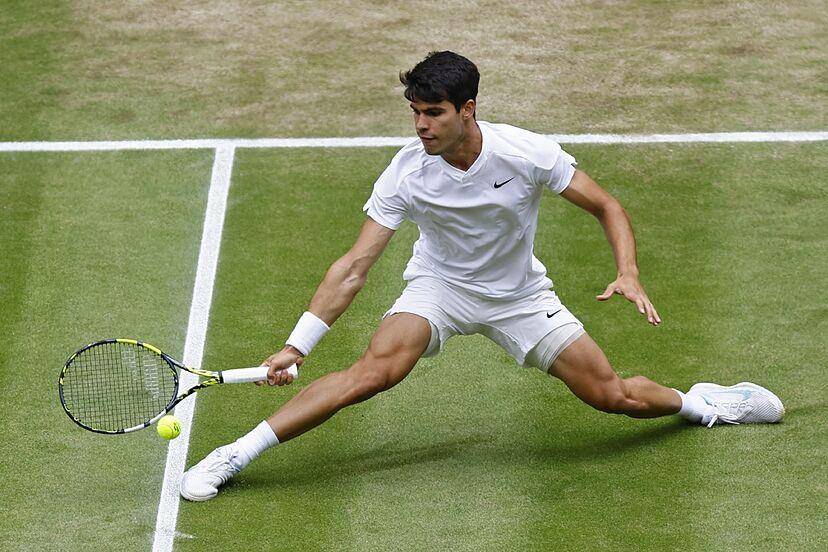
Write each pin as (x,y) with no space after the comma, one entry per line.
(307,333)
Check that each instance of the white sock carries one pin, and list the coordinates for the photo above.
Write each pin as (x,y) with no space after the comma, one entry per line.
(693,408)
(253,444)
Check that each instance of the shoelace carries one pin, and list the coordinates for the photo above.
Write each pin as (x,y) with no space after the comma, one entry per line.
(218,464)
(729,413)
(725,417)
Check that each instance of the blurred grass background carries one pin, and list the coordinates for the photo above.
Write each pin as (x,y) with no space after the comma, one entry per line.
(85,70)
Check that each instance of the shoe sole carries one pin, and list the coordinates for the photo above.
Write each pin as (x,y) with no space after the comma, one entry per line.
(193,498)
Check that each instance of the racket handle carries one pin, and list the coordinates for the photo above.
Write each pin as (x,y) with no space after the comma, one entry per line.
(250,375)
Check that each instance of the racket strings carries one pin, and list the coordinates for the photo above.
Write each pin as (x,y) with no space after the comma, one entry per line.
(114,386)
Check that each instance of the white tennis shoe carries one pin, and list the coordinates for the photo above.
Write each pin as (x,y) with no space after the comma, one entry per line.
(743,403)
(202,481)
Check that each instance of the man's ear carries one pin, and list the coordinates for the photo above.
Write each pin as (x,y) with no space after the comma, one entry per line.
(468,109)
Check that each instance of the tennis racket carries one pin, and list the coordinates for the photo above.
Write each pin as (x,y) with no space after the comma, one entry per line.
(123,385)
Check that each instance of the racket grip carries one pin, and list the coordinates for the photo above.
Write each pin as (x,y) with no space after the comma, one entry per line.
(250,375)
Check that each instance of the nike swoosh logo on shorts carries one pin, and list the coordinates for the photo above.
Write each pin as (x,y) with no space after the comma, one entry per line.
(553,314)
(498,185)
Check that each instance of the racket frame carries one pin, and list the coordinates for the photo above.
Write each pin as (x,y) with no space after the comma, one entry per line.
(212,378)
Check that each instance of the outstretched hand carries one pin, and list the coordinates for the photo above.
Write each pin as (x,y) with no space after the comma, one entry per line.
(631,288)
(278,364)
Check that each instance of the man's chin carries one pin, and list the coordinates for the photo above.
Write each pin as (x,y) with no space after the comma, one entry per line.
(430,147)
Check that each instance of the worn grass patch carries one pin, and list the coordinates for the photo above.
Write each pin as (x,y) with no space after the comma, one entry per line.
(91,70)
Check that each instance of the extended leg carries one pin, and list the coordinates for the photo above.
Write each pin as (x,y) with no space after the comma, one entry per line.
(584,368)
(394,350)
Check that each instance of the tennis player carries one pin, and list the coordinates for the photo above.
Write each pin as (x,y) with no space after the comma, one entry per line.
(473,189)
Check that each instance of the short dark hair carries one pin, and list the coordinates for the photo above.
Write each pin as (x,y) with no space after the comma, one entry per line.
(442,76)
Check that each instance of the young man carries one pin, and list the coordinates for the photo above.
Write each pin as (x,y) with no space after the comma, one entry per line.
(473,189)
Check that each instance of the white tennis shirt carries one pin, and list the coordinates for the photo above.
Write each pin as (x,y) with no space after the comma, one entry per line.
(477,227)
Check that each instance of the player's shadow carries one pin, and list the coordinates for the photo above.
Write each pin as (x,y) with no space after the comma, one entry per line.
(475,449)
(377,459)
(602,446)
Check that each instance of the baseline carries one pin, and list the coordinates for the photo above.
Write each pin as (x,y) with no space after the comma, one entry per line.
(379,141)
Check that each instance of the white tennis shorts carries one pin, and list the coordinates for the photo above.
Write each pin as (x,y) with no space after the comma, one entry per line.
(534,330)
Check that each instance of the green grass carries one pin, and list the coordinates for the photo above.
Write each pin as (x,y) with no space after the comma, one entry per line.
(118,70)
(469,452)
(472,452)
(92,245)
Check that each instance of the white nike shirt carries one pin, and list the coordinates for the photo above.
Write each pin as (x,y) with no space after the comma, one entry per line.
(477,227)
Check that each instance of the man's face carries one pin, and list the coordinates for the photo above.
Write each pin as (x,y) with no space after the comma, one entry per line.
(439,125)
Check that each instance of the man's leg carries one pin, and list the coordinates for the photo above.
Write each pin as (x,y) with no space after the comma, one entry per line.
(392,353)
(394,350)
(584,368)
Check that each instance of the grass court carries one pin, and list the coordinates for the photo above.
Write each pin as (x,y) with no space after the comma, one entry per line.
(470,452)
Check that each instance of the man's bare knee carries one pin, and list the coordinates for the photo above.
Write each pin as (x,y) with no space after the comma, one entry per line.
(375,372)
(392,353)
(366,380)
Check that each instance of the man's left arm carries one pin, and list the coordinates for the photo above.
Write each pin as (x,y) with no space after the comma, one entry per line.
(589,196)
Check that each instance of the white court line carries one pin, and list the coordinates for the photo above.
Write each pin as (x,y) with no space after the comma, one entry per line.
(167,517)
(377,141)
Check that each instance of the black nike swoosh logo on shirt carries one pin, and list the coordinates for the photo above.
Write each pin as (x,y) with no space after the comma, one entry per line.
(498,185)
(553,314)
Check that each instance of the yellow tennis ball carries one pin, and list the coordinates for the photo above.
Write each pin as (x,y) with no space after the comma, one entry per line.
(168,427)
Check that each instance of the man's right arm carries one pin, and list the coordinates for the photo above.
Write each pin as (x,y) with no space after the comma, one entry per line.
(344,279)
(347,275)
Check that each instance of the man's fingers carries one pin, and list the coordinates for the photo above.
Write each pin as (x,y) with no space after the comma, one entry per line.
(655,320)
(607,293)
(283,377)
(645,307)
(272,375)
(641,306)
(275,377)
(260,383)
(634,293)
(279,377)
(652,315)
